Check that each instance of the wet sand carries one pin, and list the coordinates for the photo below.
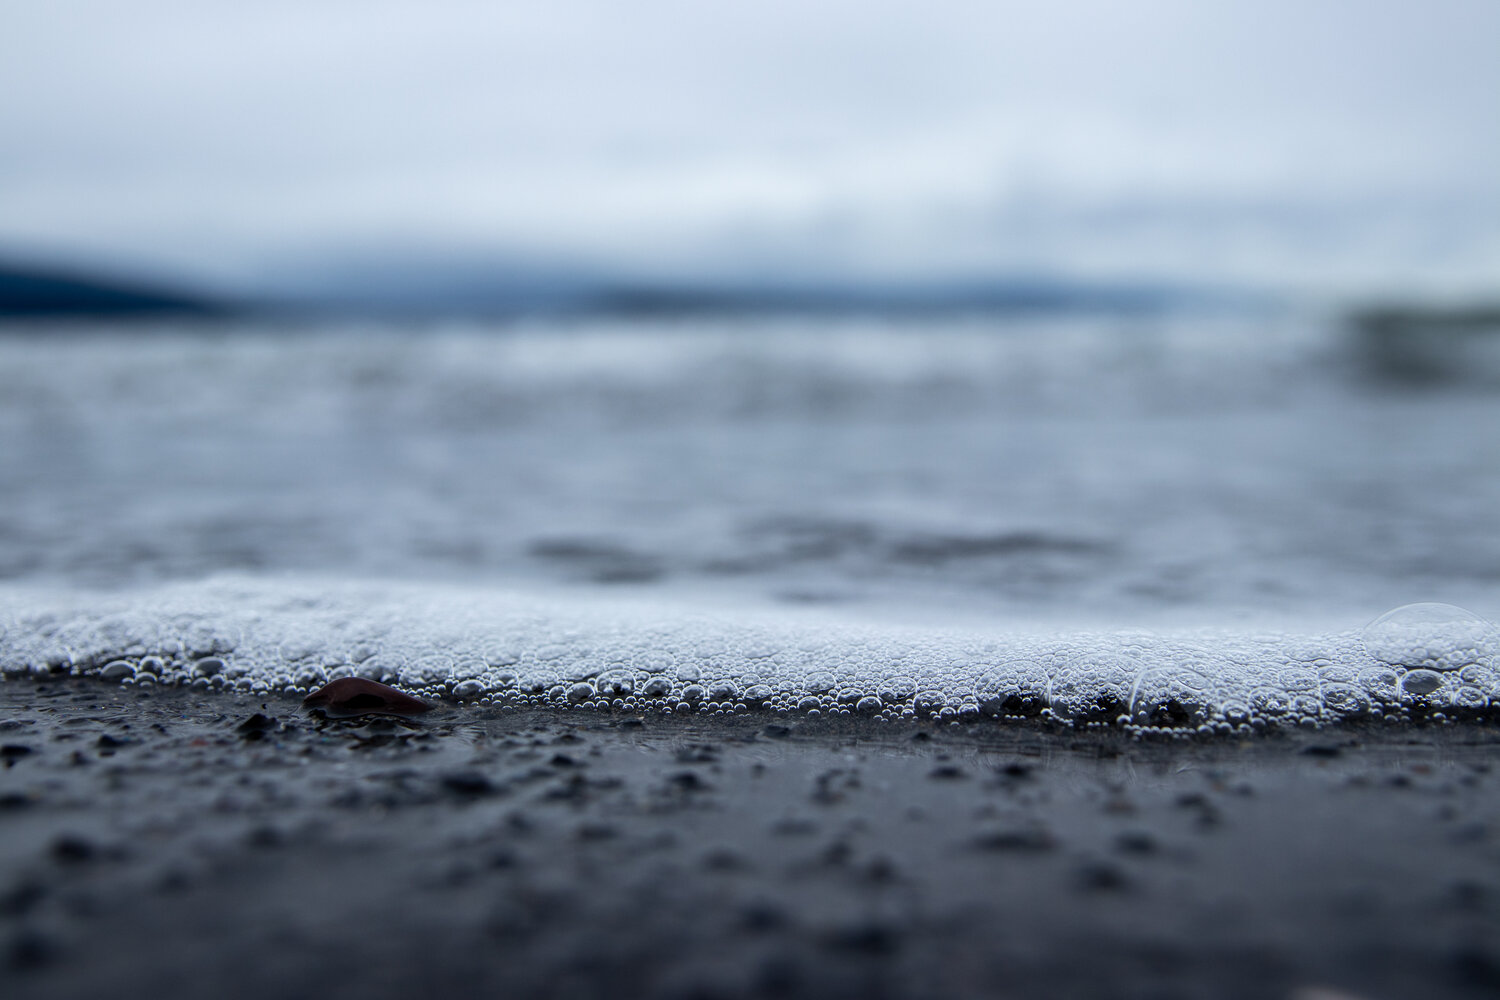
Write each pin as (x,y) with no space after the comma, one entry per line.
(174,844)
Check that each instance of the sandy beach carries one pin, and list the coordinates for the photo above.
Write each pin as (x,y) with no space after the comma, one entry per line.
(175,844)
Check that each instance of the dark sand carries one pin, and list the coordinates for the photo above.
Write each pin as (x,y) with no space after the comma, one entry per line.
(156,844)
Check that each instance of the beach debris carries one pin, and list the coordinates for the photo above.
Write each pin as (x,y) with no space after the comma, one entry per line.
(348,697)
(256,727)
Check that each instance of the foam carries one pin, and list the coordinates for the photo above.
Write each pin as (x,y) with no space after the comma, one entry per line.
(510,648)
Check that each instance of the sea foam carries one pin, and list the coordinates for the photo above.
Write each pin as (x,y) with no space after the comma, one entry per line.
(510,648)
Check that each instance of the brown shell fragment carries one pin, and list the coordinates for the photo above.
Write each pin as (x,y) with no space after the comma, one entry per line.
(352,696)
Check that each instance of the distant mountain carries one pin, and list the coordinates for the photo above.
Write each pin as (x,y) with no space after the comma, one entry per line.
(459,287)
(41,292)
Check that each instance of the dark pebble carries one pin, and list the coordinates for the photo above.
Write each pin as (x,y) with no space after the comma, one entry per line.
(1321,750)
(947,772)
(12,752)
(19,900)
(70,849)
(468,784)
(108,742)
(29,950)
(1136,842)
(258,724)
(761,916)
(776,731)
(1016,769)
(265,838)
(1477,967)
(562,760)
(1025,839)
(1100,876)
(724,861)
(14,800)
(864,939)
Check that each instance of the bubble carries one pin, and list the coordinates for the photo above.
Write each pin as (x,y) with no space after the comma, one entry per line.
(1170,697)
(468,690)
(656,687)
(756,694)
(581,692)
(1421,682)
(1382,683)
(208,666)
(819,682)
(1345,699)
(1438,637)
(117,670)
(615,683)
(1090,689)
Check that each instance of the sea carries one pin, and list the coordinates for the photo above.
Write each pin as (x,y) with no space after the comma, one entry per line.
(1194,520)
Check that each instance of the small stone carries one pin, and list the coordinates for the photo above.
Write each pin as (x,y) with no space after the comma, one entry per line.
(354,696)
(1031,839)
(467,784)
(1136,842)
(256,723)
(864,938)
(12,752)
(72,849)
(29,950)
(1101,876)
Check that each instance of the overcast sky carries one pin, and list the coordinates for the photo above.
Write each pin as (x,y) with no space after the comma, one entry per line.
(1346,144)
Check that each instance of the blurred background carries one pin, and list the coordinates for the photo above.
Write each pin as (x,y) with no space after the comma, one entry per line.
(1075,310)
(463,156)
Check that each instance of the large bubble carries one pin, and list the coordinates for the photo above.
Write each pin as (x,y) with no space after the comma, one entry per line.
(1437,637)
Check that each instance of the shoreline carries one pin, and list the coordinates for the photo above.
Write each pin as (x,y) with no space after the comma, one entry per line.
(165,842)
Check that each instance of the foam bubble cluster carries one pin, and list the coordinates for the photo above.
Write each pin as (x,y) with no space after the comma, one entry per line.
(508,649)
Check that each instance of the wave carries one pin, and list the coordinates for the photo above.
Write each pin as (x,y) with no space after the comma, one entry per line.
(509,648)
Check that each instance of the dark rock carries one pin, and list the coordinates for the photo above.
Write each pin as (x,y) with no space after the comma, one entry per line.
(71,849)
(761,916)
(28,950)
(355,696)
(12,752)
(1101,876)
(256,726)
(1034,839)
(1477,967)
(947,772)
(467,784)
(1136,842)
(1321,750)
(108,742)
(867,938)
(21,898)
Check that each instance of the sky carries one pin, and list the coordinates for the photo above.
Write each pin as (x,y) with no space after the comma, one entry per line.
(1341,147)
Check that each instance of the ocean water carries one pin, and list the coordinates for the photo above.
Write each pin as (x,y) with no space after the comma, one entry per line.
(1183,521)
